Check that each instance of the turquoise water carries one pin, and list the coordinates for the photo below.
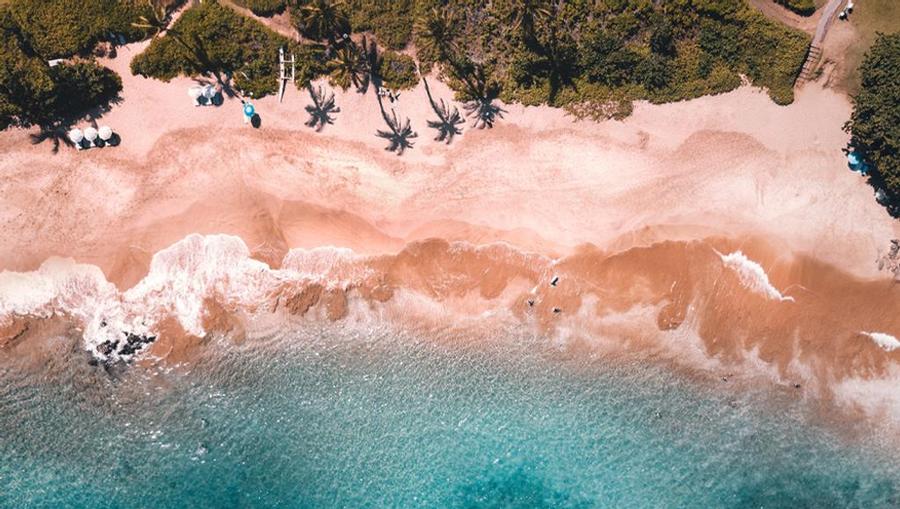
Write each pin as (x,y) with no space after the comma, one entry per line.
(335,417)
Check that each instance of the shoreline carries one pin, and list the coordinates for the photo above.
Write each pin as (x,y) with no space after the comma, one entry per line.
(732,173)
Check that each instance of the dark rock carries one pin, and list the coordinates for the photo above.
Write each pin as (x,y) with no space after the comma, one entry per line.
(107,347)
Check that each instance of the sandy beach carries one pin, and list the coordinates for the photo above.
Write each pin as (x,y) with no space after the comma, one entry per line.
(707,178)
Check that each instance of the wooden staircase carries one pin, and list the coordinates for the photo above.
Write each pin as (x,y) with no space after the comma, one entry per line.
(807,72)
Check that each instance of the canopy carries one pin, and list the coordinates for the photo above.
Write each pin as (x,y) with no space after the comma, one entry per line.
(76,135)
(90,134)
(209,91)
(195,92)
(249,110)
(105,133)
(853,159)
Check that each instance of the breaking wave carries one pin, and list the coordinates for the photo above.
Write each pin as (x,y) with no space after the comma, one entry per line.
(670,297)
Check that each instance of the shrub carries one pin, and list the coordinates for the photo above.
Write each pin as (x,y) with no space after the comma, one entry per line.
(62,28)
(801,7)
(263,8)
(398,71)
(33,93)
(875,122)
(391,21)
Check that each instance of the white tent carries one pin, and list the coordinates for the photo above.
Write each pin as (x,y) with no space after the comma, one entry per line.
(209,92)
(105,133)
(75,136)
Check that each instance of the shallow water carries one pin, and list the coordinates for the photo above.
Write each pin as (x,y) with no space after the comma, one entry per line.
(336,416)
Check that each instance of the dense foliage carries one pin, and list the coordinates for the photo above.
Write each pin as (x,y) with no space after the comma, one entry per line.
(61,28)
(211,38)
(390,21)
(33,93)
(875,123)
(802,7)
(263,7)
(398,71)
(592,57)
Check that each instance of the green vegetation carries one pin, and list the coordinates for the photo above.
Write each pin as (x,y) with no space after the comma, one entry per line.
(390,20)
(263,7)
(210,38)
(34,94)
(875,123)
(62,28)
(801,7)
(398,71)
(868,19)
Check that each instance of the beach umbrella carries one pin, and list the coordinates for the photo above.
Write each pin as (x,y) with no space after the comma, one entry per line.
(90,134)
(105,133)
(249,110)
(209,92)
(75,135)
(195,92)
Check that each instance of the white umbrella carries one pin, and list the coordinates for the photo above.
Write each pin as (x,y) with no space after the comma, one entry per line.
(105,133)
(90,134)
(209,92)
(75,135)
(195,92)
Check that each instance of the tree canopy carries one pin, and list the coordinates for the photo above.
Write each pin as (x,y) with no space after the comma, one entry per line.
(33,93)
(875,123)
(582,54)
(211,38)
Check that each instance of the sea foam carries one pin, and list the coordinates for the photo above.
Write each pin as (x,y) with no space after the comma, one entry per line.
(887,342)
(752,275)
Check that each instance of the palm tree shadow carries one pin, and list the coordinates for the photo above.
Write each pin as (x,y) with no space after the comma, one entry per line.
(322,110)
(399,134)
(448,120)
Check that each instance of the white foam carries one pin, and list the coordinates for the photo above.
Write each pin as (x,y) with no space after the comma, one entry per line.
(877,397)
(887,342)
(752,275)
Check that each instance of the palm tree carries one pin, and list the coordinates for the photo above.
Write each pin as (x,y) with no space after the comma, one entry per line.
(447,119)
(156,24)
(350,67)
(400,132)
(321,19)
(436,32)
(523,15)
(321,110)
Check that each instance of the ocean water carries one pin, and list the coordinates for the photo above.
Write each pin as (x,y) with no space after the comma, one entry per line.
(345,416)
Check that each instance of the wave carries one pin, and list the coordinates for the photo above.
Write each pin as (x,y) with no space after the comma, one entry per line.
(672,296)
(753,275)
(887,342)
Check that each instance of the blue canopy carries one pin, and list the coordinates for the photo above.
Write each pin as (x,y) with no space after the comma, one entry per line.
(249,110)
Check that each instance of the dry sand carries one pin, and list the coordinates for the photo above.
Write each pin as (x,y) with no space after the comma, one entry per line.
(727,165)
